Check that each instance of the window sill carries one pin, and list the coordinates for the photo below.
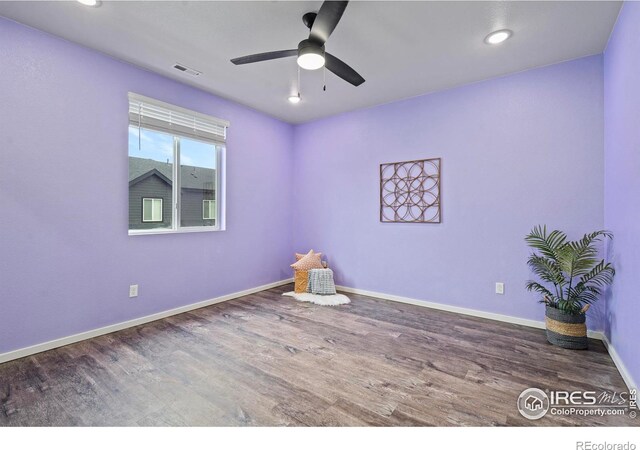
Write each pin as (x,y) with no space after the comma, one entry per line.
(171,231)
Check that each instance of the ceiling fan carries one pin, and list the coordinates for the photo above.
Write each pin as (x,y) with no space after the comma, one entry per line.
(310,52)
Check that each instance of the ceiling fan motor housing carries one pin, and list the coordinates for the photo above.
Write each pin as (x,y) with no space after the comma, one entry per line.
(308,46)
(308,19)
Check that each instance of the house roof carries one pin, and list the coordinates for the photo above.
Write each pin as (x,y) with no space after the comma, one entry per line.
(192,177)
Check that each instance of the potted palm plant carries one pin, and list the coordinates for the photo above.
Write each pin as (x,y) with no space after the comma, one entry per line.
(571,279)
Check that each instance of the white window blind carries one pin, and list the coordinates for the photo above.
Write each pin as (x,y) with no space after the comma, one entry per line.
(145,112)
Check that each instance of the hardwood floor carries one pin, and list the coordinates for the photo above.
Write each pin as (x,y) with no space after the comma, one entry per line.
(265,359)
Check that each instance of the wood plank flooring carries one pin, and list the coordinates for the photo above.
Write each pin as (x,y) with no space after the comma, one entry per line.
(268,360)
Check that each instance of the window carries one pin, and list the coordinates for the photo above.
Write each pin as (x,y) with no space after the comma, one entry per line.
(176,168)
(152,210)
(208,209)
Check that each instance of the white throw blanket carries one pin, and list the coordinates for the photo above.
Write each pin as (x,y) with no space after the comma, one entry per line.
(324,300)
(321,282)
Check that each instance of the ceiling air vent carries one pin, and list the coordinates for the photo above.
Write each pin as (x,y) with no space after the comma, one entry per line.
(185,69)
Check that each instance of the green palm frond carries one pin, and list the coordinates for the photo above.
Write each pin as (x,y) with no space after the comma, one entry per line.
(576,261)
(583,295)
(578,258)
(548,245)
(601,275)
(569,306)
(547,269)
(540,289)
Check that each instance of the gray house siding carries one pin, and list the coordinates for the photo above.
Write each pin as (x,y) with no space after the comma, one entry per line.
(151,187)
(191,207)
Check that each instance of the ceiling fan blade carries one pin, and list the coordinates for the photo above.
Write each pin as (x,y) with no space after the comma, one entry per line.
(342,70)
(326,21)
(264,56)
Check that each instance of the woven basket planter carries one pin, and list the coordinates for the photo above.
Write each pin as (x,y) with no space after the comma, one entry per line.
(566,330)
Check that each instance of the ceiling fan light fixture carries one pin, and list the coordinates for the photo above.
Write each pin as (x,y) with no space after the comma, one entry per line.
(310,55)
(311,61)
(94,3)
(498,37)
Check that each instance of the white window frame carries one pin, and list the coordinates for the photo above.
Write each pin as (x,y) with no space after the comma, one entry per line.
(213,132)
(153,200)
(206,210)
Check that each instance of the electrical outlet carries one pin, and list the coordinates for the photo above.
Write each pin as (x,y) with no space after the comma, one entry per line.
(133,290)
(500,288)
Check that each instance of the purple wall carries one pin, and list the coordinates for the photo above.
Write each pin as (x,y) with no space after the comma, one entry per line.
(66,260)
(517,151)
(622,181)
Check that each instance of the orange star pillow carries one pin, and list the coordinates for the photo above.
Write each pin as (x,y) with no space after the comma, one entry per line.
(309,261)
(299,256)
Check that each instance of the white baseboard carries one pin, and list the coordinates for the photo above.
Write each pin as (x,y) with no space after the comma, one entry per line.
(626,376)
(21,353)
(460,310)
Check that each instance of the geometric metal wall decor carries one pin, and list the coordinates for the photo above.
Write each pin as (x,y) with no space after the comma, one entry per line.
(410,191)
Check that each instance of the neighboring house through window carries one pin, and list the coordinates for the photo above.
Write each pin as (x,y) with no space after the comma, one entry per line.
(176,168)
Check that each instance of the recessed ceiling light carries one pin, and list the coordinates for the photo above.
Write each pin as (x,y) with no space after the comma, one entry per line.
(90,2)
(294,98)
(498,36)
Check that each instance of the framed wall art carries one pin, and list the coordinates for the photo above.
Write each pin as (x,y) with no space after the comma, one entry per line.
(410,191)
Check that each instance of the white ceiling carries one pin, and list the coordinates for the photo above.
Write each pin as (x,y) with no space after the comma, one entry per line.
(402,49)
